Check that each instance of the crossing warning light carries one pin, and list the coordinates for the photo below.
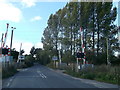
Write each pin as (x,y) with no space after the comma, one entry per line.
(80,55)
(4,51)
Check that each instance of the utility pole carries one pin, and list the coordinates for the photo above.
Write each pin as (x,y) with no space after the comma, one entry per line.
(11,40)
(12,37)
(19,52)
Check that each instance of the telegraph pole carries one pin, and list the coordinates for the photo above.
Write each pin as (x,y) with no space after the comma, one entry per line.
(19,52)
(12,37)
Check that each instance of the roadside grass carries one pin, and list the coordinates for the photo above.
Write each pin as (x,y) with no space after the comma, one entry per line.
(11,70)
(51,65)
(0,73)
(8,72)
(102,73)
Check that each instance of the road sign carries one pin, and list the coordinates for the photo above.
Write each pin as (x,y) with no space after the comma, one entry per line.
(21,57)
(54,58)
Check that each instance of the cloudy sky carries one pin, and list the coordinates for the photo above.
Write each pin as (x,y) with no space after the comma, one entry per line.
(29,17)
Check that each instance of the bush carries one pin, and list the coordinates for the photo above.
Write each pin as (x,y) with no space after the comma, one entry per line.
(29,61)
(68,58)
(28,64)
(8,72)
(102,73)
(89,76)
(43,57)
(24,66)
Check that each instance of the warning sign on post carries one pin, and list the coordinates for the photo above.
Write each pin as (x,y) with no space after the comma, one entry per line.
(54,58)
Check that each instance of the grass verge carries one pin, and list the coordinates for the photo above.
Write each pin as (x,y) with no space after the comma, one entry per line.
(8,72)
(102,73)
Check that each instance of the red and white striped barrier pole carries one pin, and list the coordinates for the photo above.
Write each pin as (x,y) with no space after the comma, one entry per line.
(5,35)
(2,40)
(82,45)
(8,51)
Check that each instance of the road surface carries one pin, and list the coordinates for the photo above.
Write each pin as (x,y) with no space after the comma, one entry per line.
(40,76)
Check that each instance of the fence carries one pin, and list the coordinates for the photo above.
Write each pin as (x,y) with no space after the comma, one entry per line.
(6,61)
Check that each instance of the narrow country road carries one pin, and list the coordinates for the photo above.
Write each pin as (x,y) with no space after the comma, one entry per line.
(40,76)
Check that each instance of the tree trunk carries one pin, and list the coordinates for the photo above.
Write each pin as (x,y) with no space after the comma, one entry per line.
(98,32)
(93,33)
(74,43)
(71,39)
(57,53)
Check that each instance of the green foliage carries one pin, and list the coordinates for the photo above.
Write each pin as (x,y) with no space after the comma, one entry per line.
(51,65)
(68,58)
(115,60)
(22,51)
(32,51)
(42,56)
(29,60)
(96,20)
(15,54)
(101,59)
(100,73)
(89,75)
(8,72)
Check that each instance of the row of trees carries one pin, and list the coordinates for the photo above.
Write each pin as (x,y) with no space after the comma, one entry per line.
(62,34)
(37,55)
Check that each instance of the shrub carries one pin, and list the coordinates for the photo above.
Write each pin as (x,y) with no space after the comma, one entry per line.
(89,76)
(8,72)
(29,60)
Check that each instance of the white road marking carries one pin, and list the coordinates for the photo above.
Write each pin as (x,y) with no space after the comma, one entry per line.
(24,69)
(44,75)
(41,74)
(36,76)
(11,80)
(28,76)
(8,84)
(39,71)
